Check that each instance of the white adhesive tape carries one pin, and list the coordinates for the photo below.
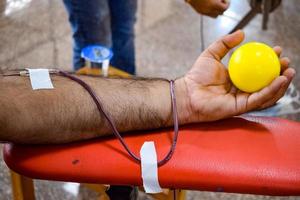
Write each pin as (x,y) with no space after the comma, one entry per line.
(40,79)
(149,168)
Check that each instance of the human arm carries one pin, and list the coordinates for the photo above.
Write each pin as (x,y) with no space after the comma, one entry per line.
(67,113)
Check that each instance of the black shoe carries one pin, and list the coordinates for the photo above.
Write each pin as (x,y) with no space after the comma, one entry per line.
(116,192)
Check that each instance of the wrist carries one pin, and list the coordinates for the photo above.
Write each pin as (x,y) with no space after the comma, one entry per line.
(184,110)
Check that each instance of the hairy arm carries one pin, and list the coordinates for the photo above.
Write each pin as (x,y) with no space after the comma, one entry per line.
(68,113)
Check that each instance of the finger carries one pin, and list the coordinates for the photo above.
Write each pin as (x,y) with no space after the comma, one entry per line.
(289,74)
(257,99)
(284,63)
(278,50)
(220,48)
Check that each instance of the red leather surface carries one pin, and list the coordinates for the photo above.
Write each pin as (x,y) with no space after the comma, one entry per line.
(240,155)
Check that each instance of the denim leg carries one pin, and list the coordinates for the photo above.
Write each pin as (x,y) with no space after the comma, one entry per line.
(123,17)
(90,25)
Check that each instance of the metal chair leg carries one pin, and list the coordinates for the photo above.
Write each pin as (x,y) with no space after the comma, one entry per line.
(266,10)
(247,18)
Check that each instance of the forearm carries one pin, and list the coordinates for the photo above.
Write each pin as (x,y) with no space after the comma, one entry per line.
(68,113)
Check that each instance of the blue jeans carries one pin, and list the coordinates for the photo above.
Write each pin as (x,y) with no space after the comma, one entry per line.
(105,22)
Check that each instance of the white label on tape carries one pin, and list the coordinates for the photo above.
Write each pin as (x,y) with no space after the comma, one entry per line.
(40,79)
(149,168)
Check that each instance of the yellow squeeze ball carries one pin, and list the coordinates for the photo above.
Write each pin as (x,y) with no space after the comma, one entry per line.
(253,66)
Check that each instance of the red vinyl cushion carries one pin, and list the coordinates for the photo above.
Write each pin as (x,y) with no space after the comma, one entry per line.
(255,155)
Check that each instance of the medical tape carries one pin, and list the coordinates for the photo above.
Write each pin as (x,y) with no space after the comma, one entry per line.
(40,79)
(149,168)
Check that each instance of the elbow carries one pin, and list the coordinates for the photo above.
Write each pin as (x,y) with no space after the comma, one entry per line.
(6,125)
(3,127)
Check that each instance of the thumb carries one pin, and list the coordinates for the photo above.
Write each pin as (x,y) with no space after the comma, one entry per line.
(220,48)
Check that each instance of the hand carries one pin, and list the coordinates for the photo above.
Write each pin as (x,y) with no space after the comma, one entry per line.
(211,8)
(211,94)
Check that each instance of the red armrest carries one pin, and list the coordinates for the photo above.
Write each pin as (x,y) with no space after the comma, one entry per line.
(242,155)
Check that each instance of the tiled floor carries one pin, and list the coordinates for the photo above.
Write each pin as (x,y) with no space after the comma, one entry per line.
(167,42)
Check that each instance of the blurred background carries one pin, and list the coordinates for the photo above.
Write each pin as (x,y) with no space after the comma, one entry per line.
(36,33)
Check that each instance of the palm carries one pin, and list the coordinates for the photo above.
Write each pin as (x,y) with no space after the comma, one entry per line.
(214,87)
(212,95)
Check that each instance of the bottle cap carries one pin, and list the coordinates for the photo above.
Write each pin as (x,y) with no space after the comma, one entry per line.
(96,53)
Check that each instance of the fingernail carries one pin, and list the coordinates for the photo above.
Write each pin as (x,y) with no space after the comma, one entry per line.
(293,73)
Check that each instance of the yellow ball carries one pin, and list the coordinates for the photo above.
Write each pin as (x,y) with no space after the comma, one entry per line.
(253,66)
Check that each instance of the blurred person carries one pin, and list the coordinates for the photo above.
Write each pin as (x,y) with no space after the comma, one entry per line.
(90,25)
(104,22)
